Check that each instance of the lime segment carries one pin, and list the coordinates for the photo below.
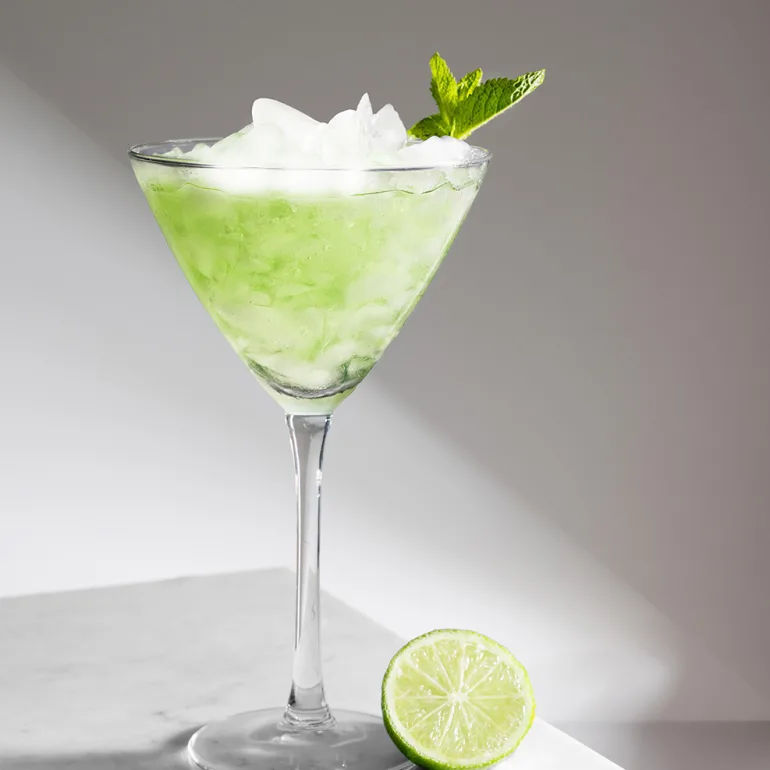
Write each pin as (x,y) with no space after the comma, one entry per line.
(456,699)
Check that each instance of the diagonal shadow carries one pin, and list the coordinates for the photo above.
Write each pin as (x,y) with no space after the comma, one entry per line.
(532,354)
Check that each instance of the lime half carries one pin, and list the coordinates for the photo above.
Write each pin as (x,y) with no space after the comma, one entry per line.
(456,699)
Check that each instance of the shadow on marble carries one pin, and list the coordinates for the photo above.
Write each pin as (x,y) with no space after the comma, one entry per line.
(678,745)
(170,755)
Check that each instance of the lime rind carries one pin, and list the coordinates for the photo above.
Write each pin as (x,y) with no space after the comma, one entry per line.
(446,712)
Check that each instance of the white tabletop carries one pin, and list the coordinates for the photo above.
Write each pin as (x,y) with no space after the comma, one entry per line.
(119,678)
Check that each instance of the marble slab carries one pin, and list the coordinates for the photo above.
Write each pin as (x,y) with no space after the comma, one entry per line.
(119,678)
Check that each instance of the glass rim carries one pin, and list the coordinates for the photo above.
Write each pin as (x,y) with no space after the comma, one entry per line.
(138,152)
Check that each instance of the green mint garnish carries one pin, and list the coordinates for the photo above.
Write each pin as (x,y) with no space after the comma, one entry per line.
(468,104)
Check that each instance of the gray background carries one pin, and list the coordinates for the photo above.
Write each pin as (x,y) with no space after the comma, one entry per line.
(570,445)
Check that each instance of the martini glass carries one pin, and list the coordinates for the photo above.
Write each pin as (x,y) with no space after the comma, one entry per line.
(309,274)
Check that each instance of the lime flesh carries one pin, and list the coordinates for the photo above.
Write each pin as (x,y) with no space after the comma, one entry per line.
(456,699)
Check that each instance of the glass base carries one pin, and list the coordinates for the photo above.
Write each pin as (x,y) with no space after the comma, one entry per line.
(260,740)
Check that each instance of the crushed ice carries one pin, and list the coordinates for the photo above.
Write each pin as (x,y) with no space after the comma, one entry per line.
(357,151)
(280,136)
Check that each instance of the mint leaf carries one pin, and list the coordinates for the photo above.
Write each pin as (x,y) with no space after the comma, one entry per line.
(490,99)
(443,87)
(468,84)
(427,127)
(468,104)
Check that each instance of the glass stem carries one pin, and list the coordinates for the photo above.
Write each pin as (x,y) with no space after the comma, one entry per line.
(307,704)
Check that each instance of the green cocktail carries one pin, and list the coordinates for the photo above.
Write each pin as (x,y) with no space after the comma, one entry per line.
(310,273)
(310,287)
(309,243)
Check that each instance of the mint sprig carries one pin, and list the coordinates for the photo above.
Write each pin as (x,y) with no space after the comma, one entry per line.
(467,104)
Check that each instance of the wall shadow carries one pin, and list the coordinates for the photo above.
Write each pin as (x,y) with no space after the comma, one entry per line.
(590,363)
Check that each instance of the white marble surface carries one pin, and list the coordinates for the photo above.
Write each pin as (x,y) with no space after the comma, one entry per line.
(119,678)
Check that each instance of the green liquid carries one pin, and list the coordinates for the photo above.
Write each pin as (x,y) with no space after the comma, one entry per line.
(308,289)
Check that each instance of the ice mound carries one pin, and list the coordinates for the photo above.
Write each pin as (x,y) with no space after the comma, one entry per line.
(280,136)
(324,156)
